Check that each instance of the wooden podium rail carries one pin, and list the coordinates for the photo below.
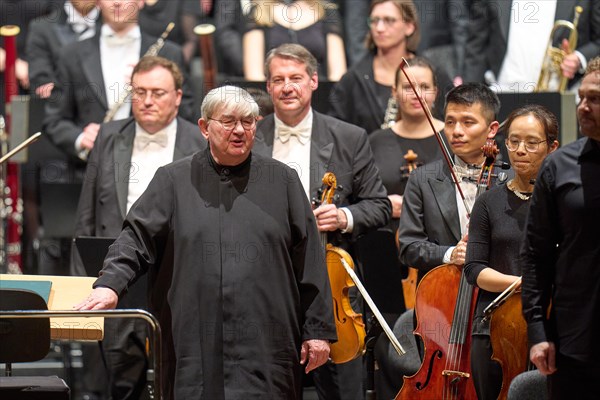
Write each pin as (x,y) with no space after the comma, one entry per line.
(67,291)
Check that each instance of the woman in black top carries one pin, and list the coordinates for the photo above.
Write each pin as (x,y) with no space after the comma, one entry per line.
(363,93)
(495,232)
(412,132)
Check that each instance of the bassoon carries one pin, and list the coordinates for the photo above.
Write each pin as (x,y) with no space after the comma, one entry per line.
(11,207)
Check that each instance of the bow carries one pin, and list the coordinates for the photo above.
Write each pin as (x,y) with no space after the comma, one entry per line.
(285,132)
(142,140)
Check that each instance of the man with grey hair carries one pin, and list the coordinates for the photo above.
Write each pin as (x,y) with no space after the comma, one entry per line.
(235,269)
(314,144)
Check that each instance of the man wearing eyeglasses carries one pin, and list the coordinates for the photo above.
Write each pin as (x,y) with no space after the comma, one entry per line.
(313,144)
(125,157)
(236,274)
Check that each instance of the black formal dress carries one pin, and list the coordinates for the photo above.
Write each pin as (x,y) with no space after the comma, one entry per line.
(496,227)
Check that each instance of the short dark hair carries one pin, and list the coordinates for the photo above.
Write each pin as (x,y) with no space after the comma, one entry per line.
(475,93)
(148,63)
(292,51)
(541,114)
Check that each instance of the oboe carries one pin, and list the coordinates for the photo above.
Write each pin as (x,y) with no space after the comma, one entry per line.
(152,51)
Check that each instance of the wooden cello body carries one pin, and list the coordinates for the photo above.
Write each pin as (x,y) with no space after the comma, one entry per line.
(508,336)
(446,333)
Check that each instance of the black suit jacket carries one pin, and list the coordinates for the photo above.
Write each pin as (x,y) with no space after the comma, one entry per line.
(430,223)
(46,38)
(79,96)
(343,149)
(487,35)
(103,201)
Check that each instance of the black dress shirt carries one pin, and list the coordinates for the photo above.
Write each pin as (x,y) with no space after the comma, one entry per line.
(561,252)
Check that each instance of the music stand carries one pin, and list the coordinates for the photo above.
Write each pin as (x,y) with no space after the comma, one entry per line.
(93,250)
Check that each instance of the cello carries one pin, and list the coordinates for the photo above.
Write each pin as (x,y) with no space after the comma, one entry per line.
(409,284)
(446,369)
(349,324)
(508,335)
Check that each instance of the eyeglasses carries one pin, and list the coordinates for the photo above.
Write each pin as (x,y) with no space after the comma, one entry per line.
(229,124)
(387,21)
(156,94)
(531,146)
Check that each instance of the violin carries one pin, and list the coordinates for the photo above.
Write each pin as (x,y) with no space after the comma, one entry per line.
(409,284)
(349,324)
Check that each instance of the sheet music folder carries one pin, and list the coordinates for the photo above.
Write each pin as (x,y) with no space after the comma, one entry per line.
(93,250)
(40,287)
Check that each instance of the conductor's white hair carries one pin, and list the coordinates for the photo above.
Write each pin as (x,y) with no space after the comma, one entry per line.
(228,99)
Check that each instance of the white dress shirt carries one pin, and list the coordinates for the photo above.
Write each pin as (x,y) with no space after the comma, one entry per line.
(147,157)
(467,177)
(530,26)
(294,151)
(118,56)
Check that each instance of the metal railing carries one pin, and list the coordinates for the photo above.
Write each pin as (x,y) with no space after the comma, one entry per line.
(155,356)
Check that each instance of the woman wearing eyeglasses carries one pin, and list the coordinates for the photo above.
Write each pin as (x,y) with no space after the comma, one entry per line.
(362,95)
(495,232)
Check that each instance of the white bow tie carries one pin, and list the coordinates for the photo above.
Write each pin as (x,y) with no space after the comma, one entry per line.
(469,172)
(142,140)
(113,40)
(285,132)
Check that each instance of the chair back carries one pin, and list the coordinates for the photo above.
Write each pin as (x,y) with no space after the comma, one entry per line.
(23,339)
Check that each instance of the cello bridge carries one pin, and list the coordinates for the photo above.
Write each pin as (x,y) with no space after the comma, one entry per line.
(458,374)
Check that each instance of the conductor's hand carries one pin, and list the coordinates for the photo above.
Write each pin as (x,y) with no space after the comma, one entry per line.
(570,63)
(543,355)
(459,253)
(89,136)
(101,298)
(316,352)
(330,218)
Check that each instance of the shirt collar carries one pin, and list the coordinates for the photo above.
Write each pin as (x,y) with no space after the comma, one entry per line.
(306,123)
(75,19)
(134,34)
(170,130)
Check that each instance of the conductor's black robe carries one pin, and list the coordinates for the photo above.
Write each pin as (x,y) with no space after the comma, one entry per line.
(246,282)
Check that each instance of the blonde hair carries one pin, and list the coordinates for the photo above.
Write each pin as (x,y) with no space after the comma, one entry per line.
(593,65)
(262,10)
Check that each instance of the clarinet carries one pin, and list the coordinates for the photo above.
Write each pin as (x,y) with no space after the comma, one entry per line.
(391,112)
(152,51)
